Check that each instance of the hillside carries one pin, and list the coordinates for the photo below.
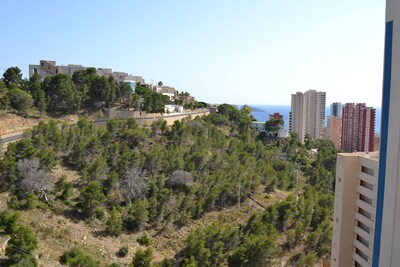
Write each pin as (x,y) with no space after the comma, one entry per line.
(57,233)
(204,191)
(12,123)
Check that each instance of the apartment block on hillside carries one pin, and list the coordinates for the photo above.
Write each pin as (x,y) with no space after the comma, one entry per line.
(49,68)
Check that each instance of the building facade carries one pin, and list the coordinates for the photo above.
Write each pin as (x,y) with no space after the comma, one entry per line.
(358,124)
(307,114)
(355,209)
(171,92)
(49,68)
(334,130)
(336,109)
(380,245)
(387,227)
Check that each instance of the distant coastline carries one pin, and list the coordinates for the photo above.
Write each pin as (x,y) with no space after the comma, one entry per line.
(255,109)
(261,113)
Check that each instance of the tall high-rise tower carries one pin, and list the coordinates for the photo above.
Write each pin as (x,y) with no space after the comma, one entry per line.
(307,114)
(387,226)
(334,130)
(358,124)
(336,109)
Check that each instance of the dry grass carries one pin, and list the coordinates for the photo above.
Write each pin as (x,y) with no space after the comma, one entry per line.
(11,124)
(57,231)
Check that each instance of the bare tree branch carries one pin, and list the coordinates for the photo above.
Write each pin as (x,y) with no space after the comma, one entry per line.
(181,178)
(134,185)
(33,178)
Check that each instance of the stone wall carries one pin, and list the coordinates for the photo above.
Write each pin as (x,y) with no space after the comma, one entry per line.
(146,119)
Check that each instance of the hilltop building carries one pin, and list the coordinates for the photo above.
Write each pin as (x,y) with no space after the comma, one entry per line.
(186,99)
(166,90)
(366,229)
(307,114)
(49,68)
(358,124)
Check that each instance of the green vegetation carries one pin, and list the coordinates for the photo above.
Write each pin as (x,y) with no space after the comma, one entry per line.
(21,244)
(133,179)
(66,94)
(143,258)
(123,251)
(144,240)
(76,257)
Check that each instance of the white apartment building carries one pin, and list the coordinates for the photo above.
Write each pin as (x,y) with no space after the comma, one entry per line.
(50,68)
(166,90)
(355,209)
(307,114)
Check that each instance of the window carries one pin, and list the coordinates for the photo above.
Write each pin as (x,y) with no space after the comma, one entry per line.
(362,254)
(362,240)
(366,199)
(363,226)
(367,185)
(56,71)
(34,70)
(365,213)
(367,170)
(356,264)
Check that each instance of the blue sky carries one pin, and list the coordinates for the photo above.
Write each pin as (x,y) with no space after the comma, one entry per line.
(234,51)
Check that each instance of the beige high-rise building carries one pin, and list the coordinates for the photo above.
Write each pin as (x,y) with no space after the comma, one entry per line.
(375,185)
(307,114)
(333,130)
(355,209)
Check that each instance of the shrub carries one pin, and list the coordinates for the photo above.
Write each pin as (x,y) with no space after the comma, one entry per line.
(21,243)
(143,258)
(114,223)
(29,261)
(8,220)
(76,257)
(123,251)
(136,216)
(144,240)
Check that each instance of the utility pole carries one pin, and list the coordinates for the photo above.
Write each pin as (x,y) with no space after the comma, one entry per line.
(239,194)
(297,183)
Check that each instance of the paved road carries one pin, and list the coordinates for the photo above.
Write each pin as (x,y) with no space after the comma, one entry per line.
(11,138)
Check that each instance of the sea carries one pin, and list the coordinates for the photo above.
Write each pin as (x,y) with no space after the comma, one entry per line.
(261,113)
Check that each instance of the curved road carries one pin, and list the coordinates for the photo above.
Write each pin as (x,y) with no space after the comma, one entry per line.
(11,138)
